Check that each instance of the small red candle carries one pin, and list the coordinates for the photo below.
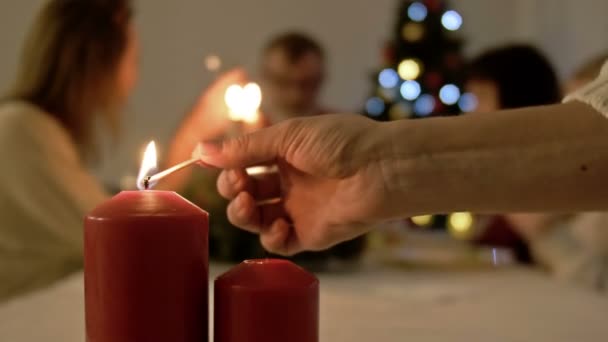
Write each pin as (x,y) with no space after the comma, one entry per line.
(146,269)
(266,301)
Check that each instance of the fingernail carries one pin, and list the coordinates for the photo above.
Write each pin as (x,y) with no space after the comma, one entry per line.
(232,177)
(209,148)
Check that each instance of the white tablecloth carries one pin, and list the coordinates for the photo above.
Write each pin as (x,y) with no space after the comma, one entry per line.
(379,304)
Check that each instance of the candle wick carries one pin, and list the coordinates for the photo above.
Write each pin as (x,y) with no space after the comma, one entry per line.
(147,183)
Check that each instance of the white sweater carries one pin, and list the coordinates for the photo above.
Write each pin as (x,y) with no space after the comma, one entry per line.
(45,191)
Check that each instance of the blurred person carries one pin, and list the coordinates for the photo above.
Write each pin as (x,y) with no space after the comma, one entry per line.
(292,74)
(509,77)
(79,62)
(586,73)
(574,247)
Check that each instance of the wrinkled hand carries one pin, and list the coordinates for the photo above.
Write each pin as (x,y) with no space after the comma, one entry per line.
(329,181)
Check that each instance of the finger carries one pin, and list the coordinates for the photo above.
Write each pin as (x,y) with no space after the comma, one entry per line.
(258,148)
(232,182)
(280,239)
(245,213)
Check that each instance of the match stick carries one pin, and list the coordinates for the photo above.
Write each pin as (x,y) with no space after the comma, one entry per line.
(155,178)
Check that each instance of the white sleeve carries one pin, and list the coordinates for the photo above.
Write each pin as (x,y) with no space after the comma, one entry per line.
(595,93)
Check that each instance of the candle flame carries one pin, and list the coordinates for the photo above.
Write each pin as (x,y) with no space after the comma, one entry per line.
(148,167)
(244,102)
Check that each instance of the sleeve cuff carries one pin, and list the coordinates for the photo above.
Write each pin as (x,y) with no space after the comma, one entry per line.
(594,94)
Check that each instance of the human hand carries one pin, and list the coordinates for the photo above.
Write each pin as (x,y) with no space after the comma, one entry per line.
(330,181)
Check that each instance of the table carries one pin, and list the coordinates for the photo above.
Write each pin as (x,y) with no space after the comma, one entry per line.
(381,304)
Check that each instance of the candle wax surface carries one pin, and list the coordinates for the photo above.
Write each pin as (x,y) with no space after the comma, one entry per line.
(266,300)
(146,269)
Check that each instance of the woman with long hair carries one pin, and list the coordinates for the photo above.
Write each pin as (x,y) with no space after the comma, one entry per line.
(79,63)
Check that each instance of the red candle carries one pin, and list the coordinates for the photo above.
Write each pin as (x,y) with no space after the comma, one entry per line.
(266,301)
(146,269)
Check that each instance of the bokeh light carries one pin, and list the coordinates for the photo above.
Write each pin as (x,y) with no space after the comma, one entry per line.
(449,94)
(423,220)
(409,69)
(410,90)
(460,225)
(468,102)
(413,32)
(424,105)
(213,63)
(451,20)
(400,111)
(388,78)
(388,94)
(375,106)
(417,12)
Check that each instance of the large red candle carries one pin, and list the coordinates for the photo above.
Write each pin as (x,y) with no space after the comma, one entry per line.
(146,269)
(266,301)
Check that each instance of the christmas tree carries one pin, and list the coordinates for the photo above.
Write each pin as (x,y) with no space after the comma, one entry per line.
(421,77)
(422,71)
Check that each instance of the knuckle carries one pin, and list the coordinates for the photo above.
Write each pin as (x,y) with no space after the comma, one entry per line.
(240,143)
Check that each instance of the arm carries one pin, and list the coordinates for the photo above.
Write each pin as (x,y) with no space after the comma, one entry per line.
(50,191)
(552,158)
(340,174)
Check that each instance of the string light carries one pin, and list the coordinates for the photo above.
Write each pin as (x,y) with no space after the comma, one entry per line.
(400,111)
(424,105)
(413,32)
(449,94)
(417,12)
(460,225)
(451,20)
(375,106)
(388,94)
(423,221)
(388,78)
(410,90)
(409,69)
(468,102)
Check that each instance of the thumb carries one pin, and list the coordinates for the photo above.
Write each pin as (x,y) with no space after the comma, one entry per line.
(261,147)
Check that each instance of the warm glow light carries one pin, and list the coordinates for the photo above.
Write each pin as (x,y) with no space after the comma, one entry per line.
(423,221)
(413,32)
(213,63)
(461,224)
(244,102)
(148,166)
(409,69)
(400,111)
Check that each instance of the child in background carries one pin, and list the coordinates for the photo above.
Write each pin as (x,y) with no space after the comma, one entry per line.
(510,77)
(573,247)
